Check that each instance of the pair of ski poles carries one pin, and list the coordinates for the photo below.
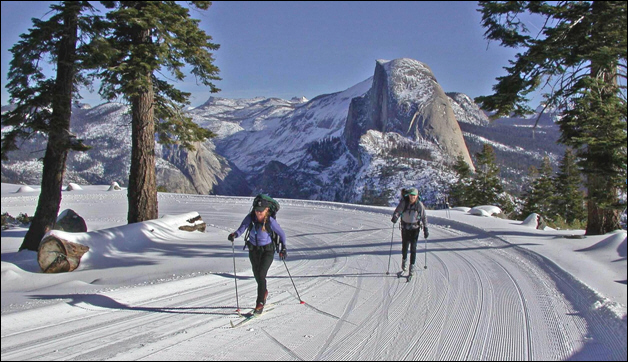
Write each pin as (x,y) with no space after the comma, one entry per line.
(235,279)
(391,246)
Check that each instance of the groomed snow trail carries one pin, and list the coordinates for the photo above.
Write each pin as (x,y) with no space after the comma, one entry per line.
(479,299)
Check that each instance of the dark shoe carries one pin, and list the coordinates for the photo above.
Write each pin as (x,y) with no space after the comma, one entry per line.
(259,308)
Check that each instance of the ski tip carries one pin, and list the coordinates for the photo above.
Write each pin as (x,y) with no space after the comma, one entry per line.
(302,302)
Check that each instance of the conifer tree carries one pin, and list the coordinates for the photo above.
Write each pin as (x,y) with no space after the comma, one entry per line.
(486,185)
(540,198)
(43,105)
(460,192)
(580,52)
(149,37)
(569,202)
(529,195)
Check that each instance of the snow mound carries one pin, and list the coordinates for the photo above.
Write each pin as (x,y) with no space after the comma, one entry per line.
(485,210)
(73,187)
(462,208)
(9,275)
(613,244)
(114,187)
(479,212)
(532,220)
(25,189)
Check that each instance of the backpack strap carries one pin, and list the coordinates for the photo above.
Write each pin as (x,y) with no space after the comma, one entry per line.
(274,237)
(420,211)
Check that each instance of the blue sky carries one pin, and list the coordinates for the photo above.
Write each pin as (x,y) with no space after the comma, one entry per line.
(287,49)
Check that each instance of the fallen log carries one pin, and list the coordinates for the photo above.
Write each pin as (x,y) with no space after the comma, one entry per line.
(194,224)
(56,255)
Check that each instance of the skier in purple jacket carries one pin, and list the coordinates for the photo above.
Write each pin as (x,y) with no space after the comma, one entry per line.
(261,246)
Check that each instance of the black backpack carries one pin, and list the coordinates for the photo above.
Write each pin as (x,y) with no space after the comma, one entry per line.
(273,208)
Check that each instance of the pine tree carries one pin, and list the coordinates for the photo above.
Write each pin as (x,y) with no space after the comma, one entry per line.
(540,198)
(44,105)
(569,203)
(460,191)
(486,185)
(529,197)
(579,52)
(148,37)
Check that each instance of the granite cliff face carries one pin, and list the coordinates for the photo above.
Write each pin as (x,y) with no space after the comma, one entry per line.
(107,128)
(200,171)
(406,99)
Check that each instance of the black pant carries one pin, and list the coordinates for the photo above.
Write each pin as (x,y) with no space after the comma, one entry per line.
(261,259)
(409,238)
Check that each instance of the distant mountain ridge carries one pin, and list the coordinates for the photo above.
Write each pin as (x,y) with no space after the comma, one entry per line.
(395,129)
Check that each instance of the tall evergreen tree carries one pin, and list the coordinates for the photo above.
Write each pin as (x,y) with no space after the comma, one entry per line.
(540,198)
(569,203)
(579,52)
(460,191)
(529,195)
(486,185)
(147,38)
(44,105)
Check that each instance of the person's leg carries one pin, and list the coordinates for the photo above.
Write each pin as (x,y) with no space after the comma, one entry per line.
(266,259)
(255,256)
(405,241)
(414,237)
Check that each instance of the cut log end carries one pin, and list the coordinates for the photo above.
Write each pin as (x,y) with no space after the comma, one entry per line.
(57,255)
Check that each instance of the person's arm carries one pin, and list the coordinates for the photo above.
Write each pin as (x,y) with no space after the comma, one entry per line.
(245,224)
(398,211)
(424,220)
(279,231)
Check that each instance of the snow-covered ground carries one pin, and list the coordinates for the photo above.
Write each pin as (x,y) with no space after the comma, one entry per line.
(493,289)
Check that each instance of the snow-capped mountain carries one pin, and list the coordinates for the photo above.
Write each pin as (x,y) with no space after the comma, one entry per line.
(395,129)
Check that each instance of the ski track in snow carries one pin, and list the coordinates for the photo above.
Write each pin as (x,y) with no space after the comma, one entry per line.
(479,299)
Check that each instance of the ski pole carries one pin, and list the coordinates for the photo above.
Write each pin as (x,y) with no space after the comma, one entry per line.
(425,267)
(235,279)
(391,245)
(295,287)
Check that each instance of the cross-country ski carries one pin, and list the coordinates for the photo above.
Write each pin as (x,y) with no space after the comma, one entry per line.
(247,317)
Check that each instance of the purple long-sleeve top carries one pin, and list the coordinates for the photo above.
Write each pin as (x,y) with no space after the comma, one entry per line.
(258,237)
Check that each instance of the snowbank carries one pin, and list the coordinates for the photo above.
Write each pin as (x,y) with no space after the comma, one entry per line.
(485,210)
(114,187)
(73,187)
(25,189)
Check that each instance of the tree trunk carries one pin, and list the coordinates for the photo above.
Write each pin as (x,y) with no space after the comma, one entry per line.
(57,148)
(142,179)
(600,220)
(601,190)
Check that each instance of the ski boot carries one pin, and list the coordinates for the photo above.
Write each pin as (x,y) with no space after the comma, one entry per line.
(411,273)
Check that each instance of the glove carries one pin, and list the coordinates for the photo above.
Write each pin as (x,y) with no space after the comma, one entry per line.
(283,254)
(394,219)
(426,233)
(231,237)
